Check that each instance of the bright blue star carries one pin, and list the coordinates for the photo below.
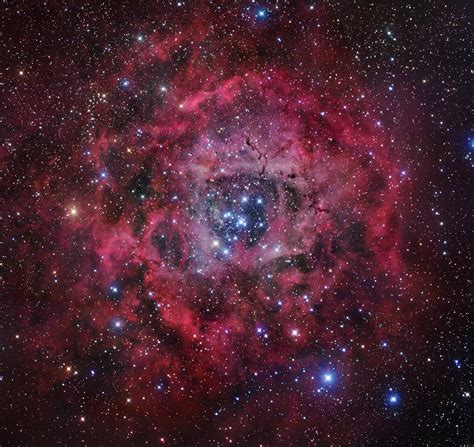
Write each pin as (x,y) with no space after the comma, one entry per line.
(124,84)
(393,398)
(114,293)
(328,378)
(327,381)
(261,13)
(471,143)
(117,323)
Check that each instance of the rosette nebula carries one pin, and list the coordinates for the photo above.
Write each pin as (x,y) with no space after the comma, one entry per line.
(225,225)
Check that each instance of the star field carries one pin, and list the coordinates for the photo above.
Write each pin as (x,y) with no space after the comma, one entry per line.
(236,223)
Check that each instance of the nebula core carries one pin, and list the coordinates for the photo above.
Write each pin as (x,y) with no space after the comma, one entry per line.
(211,236)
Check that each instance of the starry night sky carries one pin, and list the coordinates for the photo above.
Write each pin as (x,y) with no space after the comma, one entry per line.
(236,223)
